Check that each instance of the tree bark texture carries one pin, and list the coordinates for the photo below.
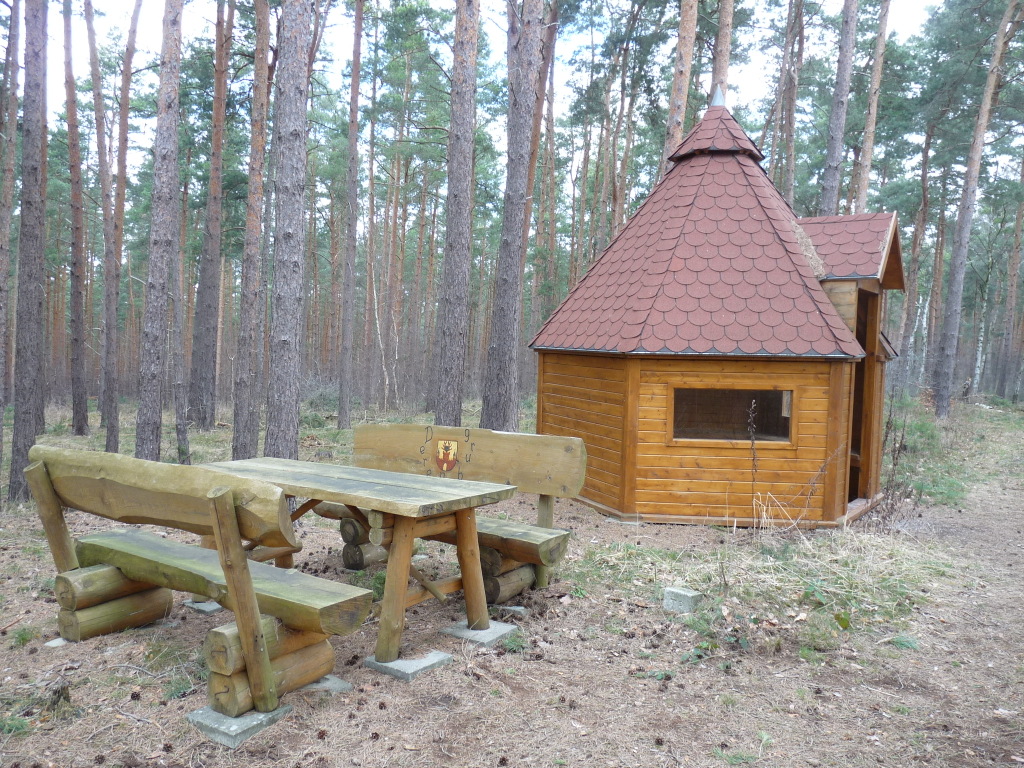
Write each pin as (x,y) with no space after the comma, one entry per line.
(946,362)
(202,387)
(905,343)
(680,80)
(501,383)
(453,306)
(1009,351)
(79,391)
(833,173)
(348,270)
(179,384)
(723,47)
(111,259)
(164,238)
(863,169)
(248,370)
(8,119)
(29,336)
(290,131)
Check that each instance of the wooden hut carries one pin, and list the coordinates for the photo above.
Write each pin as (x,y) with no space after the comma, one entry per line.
(723,360)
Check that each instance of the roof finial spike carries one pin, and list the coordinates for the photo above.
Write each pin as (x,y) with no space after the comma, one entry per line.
(717,96)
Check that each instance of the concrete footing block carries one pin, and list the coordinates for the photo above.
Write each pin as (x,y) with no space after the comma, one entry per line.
(409,669)
(681,600)
(494,634)
(232,731)
(329,684)
(514,611)
(207,606)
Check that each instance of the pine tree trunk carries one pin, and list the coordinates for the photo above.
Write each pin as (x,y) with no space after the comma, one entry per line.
(79,391)
(680,80)
(833,173)
(946,363)
(202,388)
(862,171)
(453,305)
(906,342)
(28,350)
(501,383)
(723,47)
(163,239)
(8,119)
(290,132)
(245,437)
(179,386)
(111,259)
(348,280)
(1009,360)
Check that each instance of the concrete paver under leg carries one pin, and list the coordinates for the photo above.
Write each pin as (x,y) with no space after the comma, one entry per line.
(408,669)
(208,606)
(329,684)
(232,731)
(498,631)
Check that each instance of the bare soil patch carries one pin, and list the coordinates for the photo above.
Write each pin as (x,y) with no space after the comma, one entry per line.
(604,676)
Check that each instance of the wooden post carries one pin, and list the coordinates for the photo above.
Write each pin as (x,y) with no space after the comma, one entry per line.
(123,613)
(51,513)
(508,585)
(468,551)
(392,611)
(206,542)
(247,613)
(545,519)
(232,695)
(353,532)
(222,647)
(85,587)
(357,556)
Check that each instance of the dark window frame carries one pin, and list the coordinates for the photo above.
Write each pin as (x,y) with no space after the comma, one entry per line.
(775,428)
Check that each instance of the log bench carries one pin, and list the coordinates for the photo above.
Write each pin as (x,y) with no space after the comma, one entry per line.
(121,578)
(514,555)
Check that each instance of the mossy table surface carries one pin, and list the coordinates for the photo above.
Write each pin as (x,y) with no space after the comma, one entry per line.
(393,493)
(404,500)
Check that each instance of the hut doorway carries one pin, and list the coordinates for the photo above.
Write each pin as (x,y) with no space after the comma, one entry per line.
(866,422)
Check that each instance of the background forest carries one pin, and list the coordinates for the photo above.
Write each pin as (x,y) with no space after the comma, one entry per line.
(355,202)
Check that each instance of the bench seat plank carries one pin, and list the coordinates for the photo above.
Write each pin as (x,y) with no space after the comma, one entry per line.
(302,601)
(521,541)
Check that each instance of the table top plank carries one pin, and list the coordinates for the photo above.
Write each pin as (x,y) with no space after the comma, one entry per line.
(393,493)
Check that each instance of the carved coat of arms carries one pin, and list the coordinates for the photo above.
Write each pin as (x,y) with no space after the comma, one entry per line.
(446,456)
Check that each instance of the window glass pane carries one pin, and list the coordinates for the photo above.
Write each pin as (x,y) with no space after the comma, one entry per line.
(732,414)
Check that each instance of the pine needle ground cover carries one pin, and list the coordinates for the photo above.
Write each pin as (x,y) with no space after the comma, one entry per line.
(895,642)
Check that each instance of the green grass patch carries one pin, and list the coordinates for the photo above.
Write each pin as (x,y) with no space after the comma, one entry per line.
(12,725)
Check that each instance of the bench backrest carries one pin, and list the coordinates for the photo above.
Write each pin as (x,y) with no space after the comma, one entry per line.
(171,495)
(548,465)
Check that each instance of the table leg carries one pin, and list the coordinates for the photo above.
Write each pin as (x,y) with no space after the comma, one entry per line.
(396,583)
(468,549)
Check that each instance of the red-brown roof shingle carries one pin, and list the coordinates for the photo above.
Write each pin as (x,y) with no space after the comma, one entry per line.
(710,264)
(858,246)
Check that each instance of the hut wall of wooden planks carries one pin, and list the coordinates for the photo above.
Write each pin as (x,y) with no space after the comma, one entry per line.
(638,469)
(723,360)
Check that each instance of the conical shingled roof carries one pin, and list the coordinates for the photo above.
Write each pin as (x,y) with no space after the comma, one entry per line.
(712,263)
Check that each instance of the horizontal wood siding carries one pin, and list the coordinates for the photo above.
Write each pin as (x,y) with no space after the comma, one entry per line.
(728,478)
(584,396)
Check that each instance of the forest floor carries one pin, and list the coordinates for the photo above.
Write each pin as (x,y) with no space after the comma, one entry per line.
(895,642)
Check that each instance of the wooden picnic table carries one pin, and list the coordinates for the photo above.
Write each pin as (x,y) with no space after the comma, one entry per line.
(413,505)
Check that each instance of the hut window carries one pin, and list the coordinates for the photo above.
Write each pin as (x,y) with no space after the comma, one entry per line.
(732,414)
